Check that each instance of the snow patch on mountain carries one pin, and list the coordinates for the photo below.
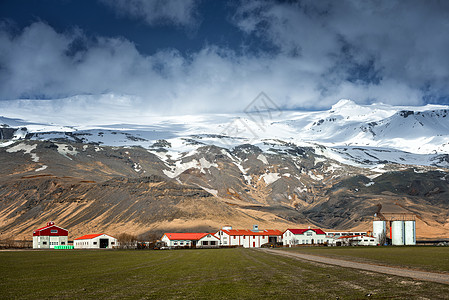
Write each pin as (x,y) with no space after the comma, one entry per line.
(262,158)
(26,149)
(66,150)
(269,178)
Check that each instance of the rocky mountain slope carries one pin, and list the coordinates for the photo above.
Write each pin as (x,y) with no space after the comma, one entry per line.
(330,169)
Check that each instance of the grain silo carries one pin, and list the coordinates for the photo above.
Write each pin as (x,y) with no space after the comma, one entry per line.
(410,232)
(379,230)
(397,233)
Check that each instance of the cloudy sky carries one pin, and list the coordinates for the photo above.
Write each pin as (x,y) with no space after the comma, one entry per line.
(192,56)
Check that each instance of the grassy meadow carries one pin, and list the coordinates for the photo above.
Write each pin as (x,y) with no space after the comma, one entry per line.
(194,274)
(426,258)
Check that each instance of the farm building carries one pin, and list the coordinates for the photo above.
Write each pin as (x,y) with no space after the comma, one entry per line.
(190,239)
(354,240)
(95,241)
(50,236)
(254,238)
(337,234)
(293,237)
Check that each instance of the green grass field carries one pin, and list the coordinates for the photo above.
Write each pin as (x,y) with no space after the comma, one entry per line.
(193,274)
(426,258)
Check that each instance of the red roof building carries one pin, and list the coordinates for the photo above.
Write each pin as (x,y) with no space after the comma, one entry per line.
(311,236)
(95,241)
(49,236)
(247,238)
(191,240)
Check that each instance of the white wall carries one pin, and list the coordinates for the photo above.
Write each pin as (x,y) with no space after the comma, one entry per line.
(208,239)
(94,243)
(247,241)
(49,242)
(290,239)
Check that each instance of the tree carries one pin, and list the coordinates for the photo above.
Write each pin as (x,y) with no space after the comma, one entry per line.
(127,241)
(382,238)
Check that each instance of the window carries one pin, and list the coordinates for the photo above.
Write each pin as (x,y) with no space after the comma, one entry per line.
(112,243)
(175,243)
(95,243)
(44,243)
(181,243)
(213,243)
(54,231)
(204,243)
(62,243)
(309,234)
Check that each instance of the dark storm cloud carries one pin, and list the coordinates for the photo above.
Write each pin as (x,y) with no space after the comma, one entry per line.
(321,51)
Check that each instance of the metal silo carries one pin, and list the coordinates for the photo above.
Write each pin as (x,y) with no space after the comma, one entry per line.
(410,232)
(379,228)
(398,230)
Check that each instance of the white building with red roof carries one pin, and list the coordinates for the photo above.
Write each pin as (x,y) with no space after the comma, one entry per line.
(191,240)
(50,236)
(254,238)
(95,241)
(293,237)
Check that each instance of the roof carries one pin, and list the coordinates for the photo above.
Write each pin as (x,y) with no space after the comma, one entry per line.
(353,236)
(250,232)
(191,236)
(49,225)
(301,231)
(91,236)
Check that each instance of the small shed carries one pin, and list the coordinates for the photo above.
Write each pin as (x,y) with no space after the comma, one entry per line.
(95,241)
(49,236)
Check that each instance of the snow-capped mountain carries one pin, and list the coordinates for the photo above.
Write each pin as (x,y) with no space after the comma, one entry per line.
(357,134)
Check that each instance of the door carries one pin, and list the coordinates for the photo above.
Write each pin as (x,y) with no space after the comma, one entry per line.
(254,244)
(104,243)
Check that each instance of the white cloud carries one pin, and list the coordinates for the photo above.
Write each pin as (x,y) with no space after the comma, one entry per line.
(177,12)
(320,51)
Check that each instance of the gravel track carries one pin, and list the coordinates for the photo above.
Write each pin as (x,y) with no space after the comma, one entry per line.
(419,275)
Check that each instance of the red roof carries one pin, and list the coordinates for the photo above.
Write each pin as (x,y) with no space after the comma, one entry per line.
(301,231)
(249,232)
(187,236)
(47,230)
(90,236)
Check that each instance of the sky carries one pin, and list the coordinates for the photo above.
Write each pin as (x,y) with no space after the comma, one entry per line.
(210,56)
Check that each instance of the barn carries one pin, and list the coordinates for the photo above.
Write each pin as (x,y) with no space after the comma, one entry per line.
(95,241)
(246,238)
(293,237)
(191,240)
(50,236)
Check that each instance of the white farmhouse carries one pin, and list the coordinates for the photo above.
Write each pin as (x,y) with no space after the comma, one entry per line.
(50,236)
(293,237)
(191,240)
(95,241)
(247,238)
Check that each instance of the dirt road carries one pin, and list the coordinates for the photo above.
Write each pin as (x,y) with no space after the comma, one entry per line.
(419,275)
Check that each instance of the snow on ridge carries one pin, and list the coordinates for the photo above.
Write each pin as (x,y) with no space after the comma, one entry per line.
(26,149)
(41,168)
(65,150)
(180,167)
(262,158)
(269,178)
